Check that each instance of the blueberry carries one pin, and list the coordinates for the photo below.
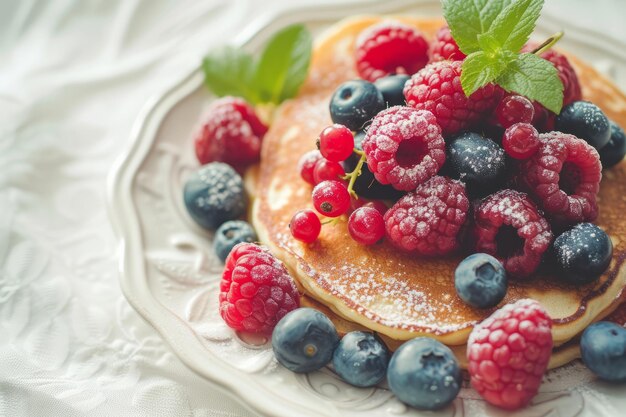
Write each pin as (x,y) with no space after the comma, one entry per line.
(354,103)
(582,253)
(361,359)
(392,89)
(480,280)
(613,152)
(603,350)
(214,194)
(231,233)
(586,121)
(424,374)
(477,161)
(304,340)
(366,185)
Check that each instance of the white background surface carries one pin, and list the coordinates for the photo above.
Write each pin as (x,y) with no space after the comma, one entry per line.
(73,78)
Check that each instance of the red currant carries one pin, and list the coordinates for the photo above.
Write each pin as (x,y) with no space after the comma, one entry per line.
(327,170)
(305,226)
(336,143)
(520,141)
(362,202)
(378,205)
(514,109)
(306,165)
(366,225)
(331,198)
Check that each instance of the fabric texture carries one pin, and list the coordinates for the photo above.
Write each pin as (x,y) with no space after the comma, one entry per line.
(74,76)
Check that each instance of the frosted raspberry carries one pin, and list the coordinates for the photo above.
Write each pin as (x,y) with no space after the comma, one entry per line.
(508,353)
(232,133)
(404,147)
(256,290)
(428,221)
(390,47)
(437,88)
(444,47)
(564,177)
(509,227)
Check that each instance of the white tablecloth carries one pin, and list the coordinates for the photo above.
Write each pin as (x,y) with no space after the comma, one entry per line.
(73,77)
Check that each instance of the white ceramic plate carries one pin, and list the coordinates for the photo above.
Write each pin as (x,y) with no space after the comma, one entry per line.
(170,275)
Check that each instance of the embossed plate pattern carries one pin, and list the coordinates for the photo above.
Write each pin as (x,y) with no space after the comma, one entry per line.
(170,274)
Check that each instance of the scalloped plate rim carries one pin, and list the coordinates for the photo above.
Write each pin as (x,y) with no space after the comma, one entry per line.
(124,217)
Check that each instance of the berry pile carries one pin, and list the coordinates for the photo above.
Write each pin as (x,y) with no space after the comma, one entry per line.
(457,172)
(413,160)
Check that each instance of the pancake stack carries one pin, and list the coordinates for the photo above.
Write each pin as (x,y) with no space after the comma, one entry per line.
(398,295)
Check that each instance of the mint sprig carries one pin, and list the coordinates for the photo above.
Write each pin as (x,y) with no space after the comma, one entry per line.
(277,75)
(491,33)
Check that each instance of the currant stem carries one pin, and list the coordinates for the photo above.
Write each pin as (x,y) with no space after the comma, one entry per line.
(355,174)
(548,43)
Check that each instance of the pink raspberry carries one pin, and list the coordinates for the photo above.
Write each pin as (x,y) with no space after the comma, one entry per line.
(256,290)
(232,133)
(509,227)
(444,47)
(564,177)
(389,48)
(508,354)
(428,221)
(437,88)
(404,147)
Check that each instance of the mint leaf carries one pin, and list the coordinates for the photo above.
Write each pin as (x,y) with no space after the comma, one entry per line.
(284,64)
(228,72)
(468,19)
(535,78)
(513,26)
(479,69)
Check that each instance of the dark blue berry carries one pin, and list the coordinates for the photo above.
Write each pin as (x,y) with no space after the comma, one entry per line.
(214,194)
(361,359)
(304,340)
(354,103)
(480,280)
(613,152)
(586,121)
(582,253)
(392,89)
(477,161)
(230,234)
(366,185)
(603,350)
(424,373)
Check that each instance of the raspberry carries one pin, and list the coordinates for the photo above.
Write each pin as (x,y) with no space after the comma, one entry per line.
(437,88)
(232,133)
(429,220)
(509,227)
(564,177)
(388,48)
(444,47)
(508,354)
(256,290)
(404,147)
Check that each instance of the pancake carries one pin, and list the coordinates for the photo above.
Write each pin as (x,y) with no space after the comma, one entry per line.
(399,295)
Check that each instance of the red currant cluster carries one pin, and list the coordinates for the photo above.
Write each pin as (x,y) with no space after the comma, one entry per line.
(333,194)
